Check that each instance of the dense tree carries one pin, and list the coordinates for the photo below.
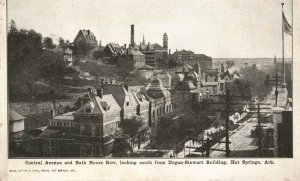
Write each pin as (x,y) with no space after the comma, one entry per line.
(131,127)
(98,54)
(253,82)
(48,43)
(28,62)
(13,26)
(62,43)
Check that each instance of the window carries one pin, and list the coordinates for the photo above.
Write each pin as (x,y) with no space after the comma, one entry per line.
(127,103)
(88,110)
(93,130)
(81,128)
(153,113)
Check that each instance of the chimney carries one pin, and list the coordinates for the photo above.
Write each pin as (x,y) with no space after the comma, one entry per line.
(126,86)
(53,111)
(102,82)
(169,51)
(125,45)
(100,93)
(132,36)
(88,32)
(176,50)
(89,90)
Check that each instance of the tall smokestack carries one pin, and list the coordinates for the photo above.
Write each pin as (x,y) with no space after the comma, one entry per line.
(132,36)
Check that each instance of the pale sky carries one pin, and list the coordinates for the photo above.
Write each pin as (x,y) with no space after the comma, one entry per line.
(218,28)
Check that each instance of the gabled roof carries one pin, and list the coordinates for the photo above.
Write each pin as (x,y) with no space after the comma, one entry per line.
(156,46)
(118,91)
(66,116)
(87,34)
(98,104)
(185,52)
(135,96)
(14,116)
(157,90)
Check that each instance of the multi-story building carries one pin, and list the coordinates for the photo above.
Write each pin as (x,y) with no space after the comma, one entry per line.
(112,50)
(190,58)
(96,123)
(185,93)
(121,95)
(160,103)
(85,39)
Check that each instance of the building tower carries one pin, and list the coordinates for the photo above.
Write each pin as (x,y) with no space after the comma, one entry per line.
(221,68)
(143,40)
(165,45)
(165,41)
(132,37)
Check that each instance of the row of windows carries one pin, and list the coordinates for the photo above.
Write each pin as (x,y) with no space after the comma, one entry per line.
(161,110)
(108,128)
(61,124)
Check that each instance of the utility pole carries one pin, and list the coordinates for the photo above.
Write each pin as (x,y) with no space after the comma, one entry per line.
(259,127)
(227,122)
(277,81)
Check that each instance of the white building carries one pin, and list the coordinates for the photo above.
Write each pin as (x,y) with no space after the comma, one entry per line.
(16,124)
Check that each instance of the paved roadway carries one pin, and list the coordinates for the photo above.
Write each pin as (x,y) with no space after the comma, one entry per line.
(241,140)
(242,144)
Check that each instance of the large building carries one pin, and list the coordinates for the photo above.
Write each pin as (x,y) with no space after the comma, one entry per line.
(96,122)
(155,54)
(186,93)
(84,43)
(190,58)
(16,124)
(160,103)
(85,38)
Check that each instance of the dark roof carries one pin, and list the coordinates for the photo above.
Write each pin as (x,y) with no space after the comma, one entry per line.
(118,91)
(14,116)
(88,35)
(202,55)
(157,90)
(185,85)
(183,52)
(156,46)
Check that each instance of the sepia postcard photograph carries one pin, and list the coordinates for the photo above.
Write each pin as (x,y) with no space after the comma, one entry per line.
(166,81)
